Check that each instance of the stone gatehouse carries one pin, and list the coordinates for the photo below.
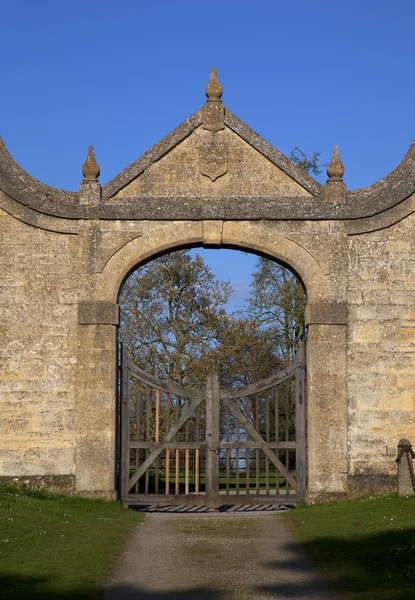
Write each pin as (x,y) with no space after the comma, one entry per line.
(211,182)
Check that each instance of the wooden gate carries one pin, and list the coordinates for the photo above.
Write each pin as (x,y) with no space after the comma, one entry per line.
(212,446)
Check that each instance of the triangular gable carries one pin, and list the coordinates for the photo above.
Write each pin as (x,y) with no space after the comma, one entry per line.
(193,162)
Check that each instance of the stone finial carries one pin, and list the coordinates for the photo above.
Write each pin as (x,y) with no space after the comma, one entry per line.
(90,168)
(335,168)
(214,89)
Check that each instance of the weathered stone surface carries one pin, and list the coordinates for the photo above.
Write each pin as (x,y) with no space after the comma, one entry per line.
(89,193)
(335,192)
(240,171)
(61,484)
(381,349)
(212,234)
(368,485)
(38,323)
(98,313)
(64,257)
(326,313)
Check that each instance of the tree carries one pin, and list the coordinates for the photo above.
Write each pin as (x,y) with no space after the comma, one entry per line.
(277,306)
(277,300)
(172,315)
(309,165)
(245,353)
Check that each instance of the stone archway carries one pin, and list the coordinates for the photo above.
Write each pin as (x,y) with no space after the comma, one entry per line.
(213,182)
(326,347)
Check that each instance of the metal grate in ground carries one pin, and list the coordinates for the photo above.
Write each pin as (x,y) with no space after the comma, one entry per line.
(244,508)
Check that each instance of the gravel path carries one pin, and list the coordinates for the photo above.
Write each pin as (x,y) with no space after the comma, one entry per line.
(215,557)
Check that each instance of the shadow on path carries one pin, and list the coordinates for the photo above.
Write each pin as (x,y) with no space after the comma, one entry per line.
(370,567)
(378,567)
(127,592)
(42,588)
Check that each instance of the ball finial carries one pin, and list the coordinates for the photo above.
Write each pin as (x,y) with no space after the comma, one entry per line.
(90,168)
(214,89)
(335,168)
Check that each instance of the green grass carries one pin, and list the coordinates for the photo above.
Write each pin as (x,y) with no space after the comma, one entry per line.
(202,480)
(52,546)
(365,548)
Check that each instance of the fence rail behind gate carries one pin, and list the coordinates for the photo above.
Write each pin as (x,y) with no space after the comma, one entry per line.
(212,446)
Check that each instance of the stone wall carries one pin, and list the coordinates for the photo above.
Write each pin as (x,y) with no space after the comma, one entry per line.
(38,345)
(58,356)
(381,351)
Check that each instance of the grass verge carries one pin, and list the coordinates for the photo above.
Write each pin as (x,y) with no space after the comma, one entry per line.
(52,546)
(365,548)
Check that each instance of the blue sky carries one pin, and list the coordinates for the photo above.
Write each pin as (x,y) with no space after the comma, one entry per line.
(123,75)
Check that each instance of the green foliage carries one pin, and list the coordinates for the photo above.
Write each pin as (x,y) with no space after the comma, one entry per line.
(245,353)
(176,327)
(172,313)
(365,548)
(52,546)
(309,165)
(277,307)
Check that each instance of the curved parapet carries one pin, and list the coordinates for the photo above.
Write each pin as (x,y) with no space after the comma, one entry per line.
(162,186)
(21,186)
(387,192)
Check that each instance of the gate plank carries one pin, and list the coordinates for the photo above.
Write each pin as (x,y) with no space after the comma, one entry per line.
(300,421)
(171,433)
(247,457)
(257,463)
(148,409)
(169,388)
(259,386)
(197,471)
(167,490)
(177,473)
(125,421)
(212,440)
(255,435)
(277,474)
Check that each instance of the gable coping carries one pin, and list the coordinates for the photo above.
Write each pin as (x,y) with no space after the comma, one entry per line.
(185,130)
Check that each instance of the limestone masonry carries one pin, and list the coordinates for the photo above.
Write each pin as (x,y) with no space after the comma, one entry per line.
(211,182)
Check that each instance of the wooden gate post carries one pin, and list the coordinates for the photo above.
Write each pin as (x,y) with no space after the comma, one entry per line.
(125,423)
(300,433)
(212,440)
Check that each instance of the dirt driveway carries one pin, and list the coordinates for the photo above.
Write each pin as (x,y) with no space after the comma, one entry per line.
(215,557)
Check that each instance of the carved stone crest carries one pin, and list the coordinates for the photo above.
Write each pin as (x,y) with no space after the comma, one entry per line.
(213,159)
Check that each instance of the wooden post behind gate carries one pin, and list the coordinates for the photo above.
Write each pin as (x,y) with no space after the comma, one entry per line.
(125,422)
(300,429)
(212,440)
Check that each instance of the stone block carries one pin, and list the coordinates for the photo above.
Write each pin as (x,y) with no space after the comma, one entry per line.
(98,313)
(365,333)
(326,313)
(212,234)
(90,193)
(9,454)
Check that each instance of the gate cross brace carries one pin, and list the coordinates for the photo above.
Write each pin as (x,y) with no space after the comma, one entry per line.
(255,436)
(172,431)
